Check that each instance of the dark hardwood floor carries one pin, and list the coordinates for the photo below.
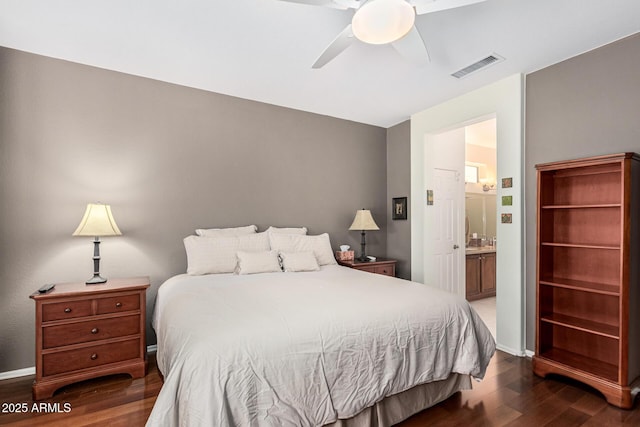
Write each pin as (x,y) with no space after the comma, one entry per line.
(510,395)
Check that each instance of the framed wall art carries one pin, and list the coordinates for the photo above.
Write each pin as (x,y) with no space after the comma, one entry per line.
(399,208)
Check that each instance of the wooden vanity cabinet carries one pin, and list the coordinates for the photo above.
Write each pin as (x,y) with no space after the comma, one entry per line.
(481,275)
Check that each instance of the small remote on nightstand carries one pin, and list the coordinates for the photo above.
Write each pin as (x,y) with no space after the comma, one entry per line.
(46,288)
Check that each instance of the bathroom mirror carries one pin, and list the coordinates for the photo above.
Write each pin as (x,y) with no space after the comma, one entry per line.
(481,215)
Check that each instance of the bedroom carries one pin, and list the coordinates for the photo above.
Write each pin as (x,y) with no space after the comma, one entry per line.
(73,134)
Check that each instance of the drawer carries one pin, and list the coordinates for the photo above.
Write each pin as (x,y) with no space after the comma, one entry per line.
(368,268)
(65,310)
(387,270)
(90,356)
(120,303)
(90,330)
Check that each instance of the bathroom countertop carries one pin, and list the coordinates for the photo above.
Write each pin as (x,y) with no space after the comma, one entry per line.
(473,250)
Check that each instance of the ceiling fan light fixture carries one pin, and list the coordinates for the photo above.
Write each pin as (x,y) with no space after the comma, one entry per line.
(383,21)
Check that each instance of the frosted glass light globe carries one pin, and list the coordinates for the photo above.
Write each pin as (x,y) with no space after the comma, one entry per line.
(383,21)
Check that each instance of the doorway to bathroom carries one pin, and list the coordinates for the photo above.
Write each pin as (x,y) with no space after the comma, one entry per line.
(504,101)
(481,219)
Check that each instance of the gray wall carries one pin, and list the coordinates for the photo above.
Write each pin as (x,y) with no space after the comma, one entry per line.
(586,106)
(168,159)
(399,185)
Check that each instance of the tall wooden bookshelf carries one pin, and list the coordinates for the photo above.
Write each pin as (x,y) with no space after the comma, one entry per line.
(588,273)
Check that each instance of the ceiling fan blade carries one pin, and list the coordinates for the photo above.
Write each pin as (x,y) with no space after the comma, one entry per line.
(338,4)
(429,6)
(350,4)
(340,43)
(412,48)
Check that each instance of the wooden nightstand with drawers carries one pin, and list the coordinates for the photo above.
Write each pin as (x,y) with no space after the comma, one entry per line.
(385,266)
(87,331)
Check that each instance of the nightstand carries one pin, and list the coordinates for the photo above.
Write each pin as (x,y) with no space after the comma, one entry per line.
(385,266)
(87,331)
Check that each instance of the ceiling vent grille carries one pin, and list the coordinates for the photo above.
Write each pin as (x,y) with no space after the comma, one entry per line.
(483,63)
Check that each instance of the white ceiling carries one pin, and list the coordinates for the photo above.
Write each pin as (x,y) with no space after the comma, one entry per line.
(263,49)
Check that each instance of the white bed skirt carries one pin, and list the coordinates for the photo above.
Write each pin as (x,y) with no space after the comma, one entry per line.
(399,407)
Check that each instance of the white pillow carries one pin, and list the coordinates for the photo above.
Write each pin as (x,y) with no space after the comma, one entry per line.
(287,230)
(299,261)
(258,262)
(320,245)
(206,255)
(227,232)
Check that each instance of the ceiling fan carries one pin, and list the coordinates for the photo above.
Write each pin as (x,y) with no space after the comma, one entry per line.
(383,22)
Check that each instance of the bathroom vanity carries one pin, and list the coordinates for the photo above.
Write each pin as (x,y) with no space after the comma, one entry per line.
(480,272)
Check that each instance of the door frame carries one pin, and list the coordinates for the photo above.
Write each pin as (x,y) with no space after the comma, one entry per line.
(504,100)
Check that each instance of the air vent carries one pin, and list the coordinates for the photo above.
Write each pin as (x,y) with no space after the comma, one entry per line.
(485,62)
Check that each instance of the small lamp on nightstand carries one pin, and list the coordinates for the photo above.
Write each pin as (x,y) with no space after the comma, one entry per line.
(97,221)
(363,221)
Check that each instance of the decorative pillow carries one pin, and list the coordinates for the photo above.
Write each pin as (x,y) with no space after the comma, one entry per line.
(206,255)
(227,232)
(258,262)
(288,230)
(299,261)
(319,245)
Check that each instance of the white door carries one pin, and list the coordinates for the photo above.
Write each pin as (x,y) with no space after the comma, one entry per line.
(446,219)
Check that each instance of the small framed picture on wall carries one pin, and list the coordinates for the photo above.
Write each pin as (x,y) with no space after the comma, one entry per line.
(399,208)
(506,218)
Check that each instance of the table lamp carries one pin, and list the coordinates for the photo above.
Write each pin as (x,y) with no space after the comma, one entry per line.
(363,221)
(97,221)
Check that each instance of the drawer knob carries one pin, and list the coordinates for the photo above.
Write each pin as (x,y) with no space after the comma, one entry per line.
(94,356)
(94,331)
(118,304)
(67,310)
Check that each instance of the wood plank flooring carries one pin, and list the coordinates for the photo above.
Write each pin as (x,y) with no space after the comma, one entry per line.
(510,395)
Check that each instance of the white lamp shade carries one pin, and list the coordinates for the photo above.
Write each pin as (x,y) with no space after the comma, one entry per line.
(97,221)
(383,21)
(364,221)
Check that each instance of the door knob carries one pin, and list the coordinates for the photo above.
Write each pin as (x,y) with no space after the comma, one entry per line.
(455,246)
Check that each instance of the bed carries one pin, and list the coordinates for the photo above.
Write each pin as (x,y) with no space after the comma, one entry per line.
(335,346)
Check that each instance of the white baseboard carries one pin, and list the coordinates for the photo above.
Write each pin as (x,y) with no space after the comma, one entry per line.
(32,370)
(519,353)
(17,373)
(511,351)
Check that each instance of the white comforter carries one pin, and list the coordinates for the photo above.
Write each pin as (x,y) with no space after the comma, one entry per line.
(304,349)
